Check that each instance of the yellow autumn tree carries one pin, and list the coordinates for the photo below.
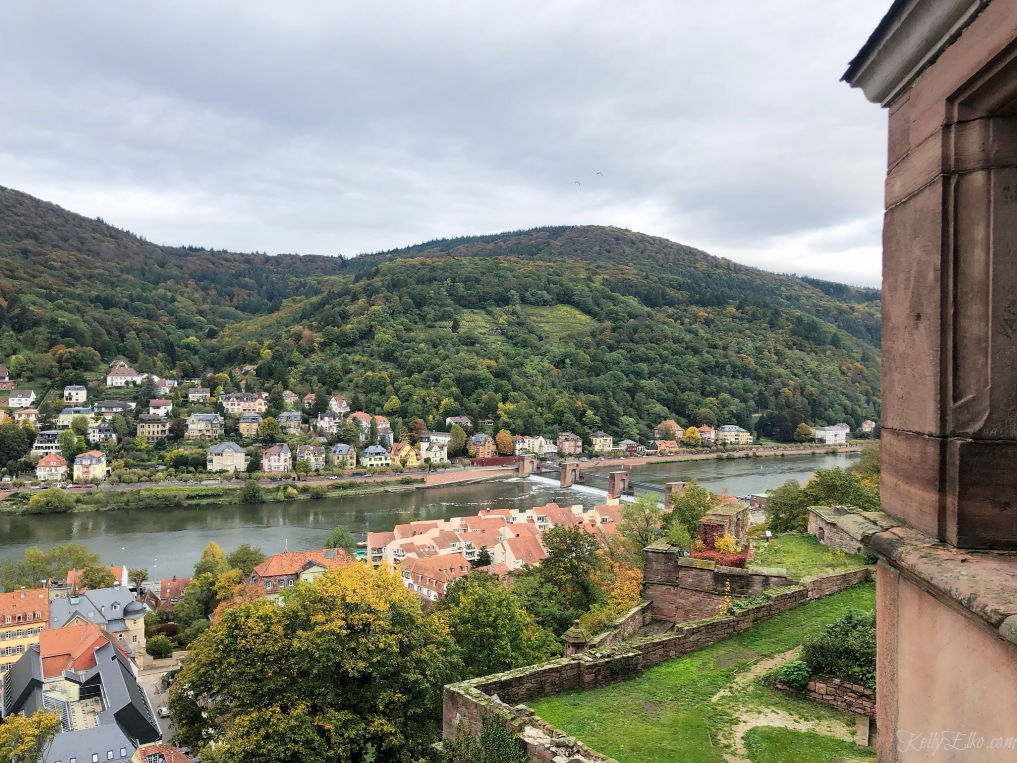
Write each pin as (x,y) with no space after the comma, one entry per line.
(692,438)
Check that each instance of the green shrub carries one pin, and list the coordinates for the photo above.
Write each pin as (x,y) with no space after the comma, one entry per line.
(796,674)
(845,650)
(250,492)
(159,647)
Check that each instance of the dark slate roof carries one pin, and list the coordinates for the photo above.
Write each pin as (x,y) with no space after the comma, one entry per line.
(88,742)
(97,607)
(222,447)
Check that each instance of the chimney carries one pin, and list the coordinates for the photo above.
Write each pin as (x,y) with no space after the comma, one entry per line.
(22,592)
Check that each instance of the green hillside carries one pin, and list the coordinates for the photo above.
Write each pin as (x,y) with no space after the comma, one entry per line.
(570,327)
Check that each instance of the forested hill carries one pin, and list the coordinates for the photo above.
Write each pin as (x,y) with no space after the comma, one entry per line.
(572,327)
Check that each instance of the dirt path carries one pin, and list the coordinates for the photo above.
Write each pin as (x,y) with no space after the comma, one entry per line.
(751,719)
(745,677)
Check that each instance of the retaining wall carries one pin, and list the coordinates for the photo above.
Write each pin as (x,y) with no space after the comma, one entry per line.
(494,696)
(853,698)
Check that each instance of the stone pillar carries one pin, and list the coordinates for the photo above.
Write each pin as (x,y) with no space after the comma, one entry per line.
(569,473)
(949,384)
(673,489)
(527,464)
(617,484)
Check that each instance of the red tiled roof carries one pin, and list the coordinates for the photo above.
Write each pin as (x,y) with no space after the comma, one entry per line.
(526,548)
(292,562)
(71,648)
(377,540)
(52,459)
(444,568)
(408,530)
(24,603)
(170,754)
(172,588)
(558,515)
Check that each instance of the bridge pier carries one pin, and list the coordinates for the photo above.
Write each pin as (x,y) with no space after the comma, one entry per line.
(569,473)
(527,465)
(617,484)
(673,489)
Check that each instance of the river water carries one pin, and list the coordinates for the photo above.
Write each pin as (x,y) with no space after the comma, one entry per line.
(169,542)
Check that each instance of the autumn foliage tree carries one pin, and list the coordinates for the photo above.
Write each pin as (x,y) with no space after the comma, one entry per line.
(24,738)
(506,445)
(350,669)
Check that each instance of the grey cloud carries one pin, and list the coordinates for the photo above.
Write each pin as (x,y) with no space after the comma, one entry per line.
(349,127)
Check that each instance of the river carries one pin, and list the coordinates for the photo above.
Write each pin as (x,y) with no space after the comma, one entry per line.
(169,542)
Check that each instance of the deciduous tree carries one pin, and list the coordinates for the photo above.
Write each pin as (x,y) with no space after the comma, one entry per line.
(352,651)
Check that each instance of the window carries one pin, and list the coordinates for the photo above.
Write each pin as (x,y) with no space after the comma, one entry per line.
(109,754)
(134,639)
(95,757)
(123,752)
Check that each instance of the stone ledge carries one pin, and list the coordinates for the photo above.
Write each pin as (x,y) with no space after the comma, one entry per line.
(982,582)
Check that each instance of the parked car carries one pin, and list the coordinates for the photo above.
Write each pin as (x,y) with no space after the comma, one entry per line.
(164,712)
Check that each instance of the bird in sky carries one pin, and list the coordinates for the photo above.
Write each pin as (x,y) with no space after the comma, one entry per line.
(600,173)
(577,182)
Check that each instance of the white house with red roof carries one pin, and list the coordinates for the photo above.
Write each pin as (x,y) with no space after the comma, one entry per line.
(52,466)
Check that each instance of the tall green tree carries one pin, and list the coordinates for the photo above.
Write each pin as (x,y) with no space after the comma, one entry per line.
(493,631)
(643,521)
(691,506)
(571,563)
(457,445)
(342,538)
(245,558)
(96,576)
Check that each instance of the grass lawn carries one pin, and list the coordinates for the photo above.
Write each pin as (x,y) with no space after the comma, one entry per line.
(802,555)
(666,714)
(558,320)
(767,744)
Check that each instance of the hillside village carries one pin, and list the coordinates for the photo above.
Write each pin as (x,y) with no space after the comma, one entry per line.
(117,426)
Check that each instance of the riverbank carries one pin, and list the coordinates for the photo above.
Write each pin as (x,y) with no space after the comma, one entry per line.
(175,494)
(179,495)
(754,452)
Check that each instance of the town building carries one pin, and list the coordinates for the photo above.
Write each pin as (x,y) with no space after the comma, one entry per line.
(277,458)
(404,454)
(601,442)
(375,456)
(669,429)
(204,426)
(153,428)
(226,457)
(46,441)
(24,614)
(114,609)
(868,426)
(199,395)
(51,467)
(312,455)
(338,404)
(75,394)
(110,408)
(290,422)
(290,398)
(160,752)
(463,421)
(248,425)
(280,572)
(30,415)
(101,432)
(90,466)
(482,446)
(123,376)
(87,677)
(21,398)
(432,451)
(707,434)
(309,399)
(160,406)
(731,434)
(328,423)
(237,403)
(343,455)
(67,414)
(168,593)
(569,444)
(431,577)
(830,435)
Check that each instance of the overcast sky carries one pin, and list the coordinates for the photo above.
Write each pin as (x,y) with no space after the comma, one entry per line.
(342,127)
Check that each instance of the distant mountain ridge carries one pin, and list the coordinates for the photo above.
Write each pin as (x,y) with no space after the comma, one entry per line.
(561,327)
